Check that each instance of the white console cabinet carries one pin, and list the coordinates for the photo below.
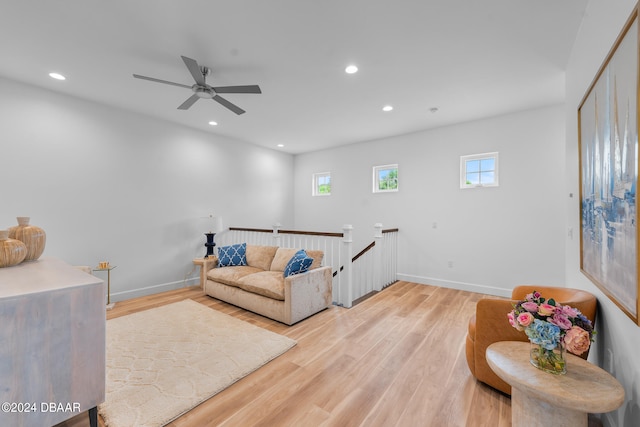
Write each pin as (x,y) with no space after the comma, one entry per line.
(52,343)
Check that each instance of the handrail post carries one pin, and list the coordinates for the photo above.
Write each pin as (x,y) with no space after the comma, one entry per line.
(276,235)
(378,253)
(347,300)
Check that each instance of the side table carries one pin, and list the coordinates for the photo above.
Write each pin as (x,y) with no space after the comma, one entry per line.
(539,398)
(205,265)
(108,270)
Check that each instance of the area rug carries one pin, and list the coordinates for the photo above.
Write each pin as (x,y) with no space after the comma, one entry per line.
(165,361)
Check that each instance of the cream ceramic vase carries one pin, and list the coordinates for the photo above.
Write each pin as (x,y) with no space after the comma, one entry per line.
(33,237)
(12,252)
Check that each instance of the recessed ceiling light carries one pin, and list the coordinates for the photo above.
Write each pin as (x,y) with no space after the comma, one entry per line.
(351,69)
(212,123)
(57,76)
(280,145)
(387,108)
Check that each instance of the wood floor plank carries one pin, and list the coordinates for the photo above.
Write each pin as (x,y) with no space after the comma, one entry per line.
(395,359)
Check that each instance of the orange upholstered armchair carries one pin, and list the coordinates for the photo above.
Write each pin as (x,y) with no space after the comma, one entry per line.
(490,325)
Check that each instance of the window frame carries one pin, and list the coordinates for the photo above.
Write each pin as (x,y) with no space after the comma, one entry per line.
(376,178)
(483,156)
(315,183)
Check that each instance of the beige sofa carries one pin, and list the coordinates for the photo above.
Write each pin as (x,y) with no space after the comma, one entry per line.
(260,285)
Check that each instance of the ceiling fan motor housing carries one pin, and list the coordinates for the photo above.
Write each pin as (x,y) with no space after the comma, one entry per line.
(203,92)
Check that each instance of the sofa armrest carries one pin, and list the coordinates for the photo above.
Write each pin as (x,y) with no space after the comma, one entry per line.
(307,293)
(492,325)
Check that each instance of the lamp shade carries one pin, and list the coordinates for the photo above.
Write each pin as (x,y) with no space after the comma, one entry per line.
(214,223)
(217,224)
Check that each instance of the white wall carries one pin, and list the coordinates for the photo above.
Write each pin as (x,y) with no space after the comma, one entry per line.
(111,185)
(618,339)
(496,238)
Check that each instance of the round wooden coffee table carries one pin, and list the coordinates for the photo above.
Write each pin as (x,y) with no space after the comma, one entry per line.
(539,398)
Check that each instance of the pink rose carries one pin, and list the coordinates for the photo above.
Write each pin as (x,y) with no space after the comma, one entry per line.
(533,295)
(530,306)
(512,320)
(525,319)
(546,309)
(577,340)
(561,321)
(569,311)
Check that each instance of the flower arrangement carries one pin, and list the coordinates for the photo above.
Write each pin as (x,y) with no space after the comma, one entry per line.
(553,328)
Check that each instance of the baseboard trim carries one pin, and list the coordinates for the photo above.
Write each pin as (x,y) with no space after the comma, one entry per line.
(194,281)
(470,287)
(155,289)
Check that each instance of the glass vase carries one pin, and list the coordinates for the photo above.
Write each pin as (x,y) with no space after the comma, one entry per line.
(552,361)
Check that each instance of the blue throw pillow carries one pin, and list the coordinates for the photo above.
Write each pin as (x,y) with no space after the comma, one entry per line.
(299,263)
(232,255)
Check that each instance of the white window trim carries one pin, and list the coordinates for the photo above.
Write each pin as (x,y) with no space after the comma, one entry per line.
(463,170)
(314,183)
(376,183)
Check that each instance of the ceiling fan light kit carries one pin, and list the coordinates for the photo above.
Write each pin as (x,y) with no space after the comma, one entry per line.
(201,90)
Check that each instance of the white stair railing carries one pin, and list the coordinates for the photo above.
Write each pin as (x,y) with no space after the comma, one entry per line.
(375,267)
(388,257)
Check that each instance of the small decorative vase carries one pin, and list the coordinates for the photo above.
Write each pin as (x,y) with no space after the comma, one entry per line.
(552,361)
(33,237)
(12,252)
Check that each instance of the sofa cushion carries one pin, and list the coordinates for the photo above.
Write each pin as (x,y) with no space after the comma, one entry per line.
(231,275)
(299,263)
(232,255)
(281,258)
(283,255)
(260,256)
(266,283)
(317,256)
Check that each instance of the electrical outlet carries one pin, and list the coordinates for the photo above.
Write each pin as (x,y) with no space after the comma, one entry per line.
(450,264)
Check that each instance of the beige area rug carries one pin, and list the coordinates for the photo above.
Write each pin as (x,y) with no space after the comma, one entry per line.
(165,361)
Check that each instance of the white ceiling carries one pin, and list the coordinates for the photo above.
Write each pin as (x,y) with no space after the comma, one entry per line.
(468,58)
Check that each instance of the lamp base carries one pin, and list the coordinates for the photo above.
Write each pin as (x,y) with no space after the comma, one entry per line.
(210,244)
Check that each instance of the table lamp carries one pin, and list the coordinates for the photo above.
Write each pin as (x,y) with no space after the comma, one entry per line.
(215,222)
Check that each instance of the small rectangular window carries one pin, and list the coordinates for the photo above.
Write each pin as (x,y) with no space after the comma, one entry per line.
(321,184)
(385,178)
(479,170)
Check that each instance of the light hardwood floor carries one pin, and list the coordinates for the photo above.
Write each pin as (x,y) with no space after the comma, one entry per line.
(396,359)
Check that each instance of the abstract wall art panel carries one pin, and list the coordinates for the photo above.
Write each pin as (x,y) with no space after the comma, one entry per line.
(608,146)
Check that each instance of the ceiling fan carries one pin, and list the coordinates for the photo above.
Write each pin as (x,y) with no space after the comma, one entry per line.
(202,90)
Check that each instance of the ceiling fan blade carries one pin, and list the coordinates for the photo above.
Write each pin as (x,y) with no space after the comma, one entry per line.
(194,69)
(160,81)
(238,89)
(228,104)
(189,102)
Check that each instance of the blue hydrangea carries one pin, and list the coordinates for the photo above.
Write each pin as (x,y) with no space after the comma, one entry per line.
(545,334)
